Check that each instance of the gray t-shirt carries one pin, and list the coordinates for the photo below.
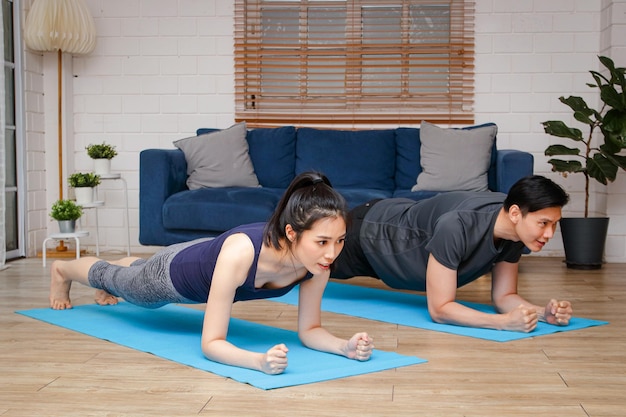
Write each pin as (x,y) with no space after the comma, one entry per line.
(398,235)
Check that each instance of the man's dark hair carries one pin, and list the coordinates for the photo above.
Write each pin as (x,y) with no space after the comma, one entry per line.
(534,193)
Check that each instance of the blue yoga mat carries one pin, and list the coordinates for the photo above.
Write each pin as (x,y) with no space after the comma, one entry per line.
(411,310)
(173,332)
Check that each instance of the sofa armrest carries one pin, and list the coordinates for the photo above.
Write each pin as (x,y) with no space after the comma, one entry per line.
(162,172)
(511,165)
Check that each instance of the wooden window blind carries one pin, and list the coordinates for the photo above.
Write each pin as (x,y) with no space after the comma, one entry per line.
(354,61)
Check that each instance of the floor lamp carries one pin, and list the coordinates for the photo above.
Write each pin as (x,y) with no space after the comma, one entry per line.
(60,26)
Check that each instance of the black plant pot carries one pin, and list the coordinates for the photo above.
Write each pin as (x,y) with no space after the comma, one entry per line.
(583,241)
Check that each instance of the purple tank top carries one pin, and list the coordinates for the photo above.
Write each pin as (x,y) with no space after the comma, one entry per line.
(192,268)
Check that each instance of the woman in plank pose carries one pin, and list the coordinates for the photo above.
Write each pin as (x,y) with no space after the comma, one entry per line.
(295,247)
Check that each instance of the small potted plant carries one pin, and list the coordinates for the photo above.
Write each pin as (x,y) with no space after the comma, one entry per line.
(584,238)
(66,212)
(101,153)
(84,179)
(84,183)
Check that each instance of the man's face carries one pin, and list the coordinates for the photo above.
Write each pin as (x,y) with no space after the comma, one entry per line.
(537,227)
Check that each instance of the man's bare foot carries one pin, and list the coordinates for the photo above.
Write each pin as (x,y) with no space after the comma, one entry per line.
(59,288)
(103,298)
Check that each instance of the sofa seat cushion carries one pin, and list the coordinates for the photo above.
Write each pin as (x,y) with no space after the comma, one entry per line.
(219,208)
(414,195)
(351,159)
(357,196)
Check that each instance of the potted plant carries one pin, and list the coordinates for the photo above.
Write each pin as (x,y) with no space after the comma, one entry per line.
(584,238)
(66,212)
(101,153)
(84,183)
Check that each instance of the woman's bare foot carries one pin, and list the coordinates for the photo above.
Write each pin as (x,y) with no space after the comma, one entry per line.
(103,298)
(59,288)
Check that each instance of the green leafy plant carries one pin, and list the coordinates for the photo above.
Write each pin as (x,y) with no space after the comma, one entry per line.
(598,162)
(66,210)
(84,179)
(101,151)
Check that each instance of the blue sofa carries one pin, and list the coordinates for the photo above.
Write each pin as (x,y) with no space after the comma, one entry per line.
(362,165)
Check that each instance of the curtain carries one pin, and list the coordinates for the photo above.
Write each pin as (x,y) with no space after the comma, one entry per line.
(3,248)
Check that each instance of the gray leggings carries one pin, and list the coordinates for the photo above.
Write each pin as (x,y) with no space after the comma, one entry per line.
(146,282)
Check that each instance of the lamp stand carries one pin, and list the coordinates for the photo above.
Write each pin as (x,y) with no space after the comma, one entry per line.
(61,247)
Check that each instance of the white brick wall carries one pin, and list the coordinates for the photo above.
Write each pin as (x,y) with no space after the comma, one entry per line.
(613,35)
(163,68)
(529,54)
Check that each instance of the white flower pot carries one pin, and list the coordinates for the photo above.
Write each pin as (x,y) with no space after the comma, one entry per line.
(84,195)
(102,166)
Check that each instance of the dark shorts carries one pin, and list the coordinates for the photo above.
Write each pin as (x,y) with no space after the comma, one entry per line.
(352,262)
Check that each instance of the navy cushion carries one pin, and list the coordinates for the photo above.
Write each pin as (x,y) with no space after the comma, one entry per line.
(408,166)
(273,154)
(351,159)
(219,208)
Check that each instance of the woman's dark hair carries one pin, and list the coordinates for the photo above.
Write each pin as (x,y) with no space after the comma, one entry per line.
(309,197)
(534,193)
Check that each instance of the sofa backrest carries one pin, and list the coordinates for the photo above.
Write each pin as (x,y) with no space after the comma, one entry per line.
(350,159)
(386,159)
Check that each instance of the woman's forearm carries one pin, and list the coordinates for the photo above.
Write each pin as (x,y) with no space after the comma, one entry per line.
(320,339)
(224,352)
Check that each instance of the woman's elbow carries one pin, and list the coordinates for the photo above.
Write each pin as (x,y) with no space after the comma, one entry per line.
(210,349)
(304,338)
(436,315)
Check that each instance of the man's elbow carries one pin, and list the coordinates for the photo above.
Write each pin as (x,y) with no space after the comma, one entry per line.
(499,304)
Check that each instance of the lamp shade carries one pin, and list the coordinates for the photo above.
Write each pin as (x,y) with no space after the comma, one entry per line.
(60,25)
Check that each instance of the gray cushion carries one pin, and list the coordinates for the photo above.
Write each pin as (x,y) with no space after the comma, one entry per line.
(454,159)
(218,159)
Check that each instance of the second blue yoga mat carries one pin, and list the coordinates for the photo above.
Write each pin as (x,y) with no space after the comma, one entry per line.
(173,332)
(411,310)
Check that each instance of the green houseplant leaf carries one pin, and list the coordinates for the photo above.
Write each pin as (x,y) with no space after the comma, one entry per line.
(602,162)
(101,151)
(66,210)
(560,129)
(83,179)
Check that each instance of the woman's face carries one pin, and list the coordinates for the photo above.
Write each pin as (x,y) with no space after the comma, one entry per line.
(318,247)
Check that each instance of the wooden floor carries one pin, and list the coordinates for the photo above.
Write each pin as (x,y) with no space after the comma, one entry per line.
(49,371)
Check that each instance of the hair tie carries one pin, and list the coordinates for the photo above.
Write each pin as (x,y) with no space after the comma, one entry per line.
(317,181)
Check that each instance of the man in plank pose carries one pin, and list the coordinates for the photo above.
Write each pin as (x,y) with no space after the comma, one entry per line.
(442,243)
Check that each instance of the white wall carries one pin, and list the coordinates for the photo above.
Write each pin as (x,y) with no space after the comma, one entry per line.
(613,23)
(532,52)
(163,68)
